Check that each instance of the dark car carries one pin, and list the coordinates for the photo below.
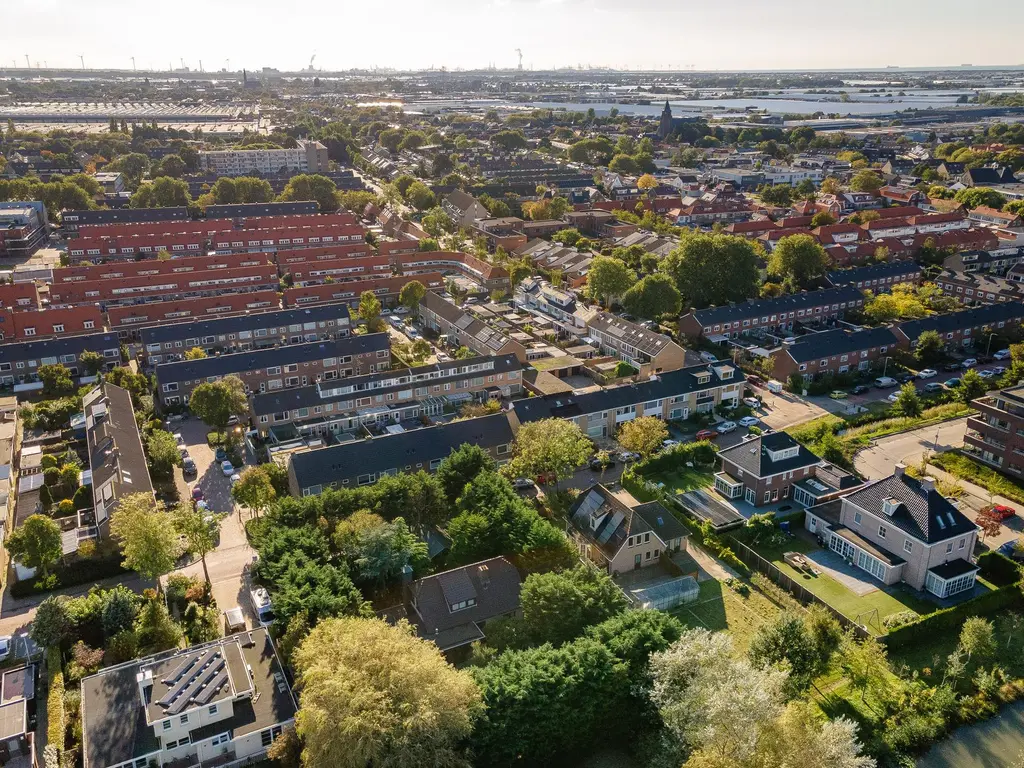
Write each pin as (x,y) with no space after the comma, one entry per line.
(904,378)
(220,455)
(860,389)
(951,367)
(597,465)
(188,466)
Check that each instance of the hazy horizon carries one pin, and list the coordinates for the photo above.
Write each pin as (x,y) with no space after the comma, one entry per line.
(738,35)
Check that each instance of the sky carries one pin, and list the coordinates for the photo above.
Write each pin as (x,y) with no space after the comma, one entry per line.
(740,35)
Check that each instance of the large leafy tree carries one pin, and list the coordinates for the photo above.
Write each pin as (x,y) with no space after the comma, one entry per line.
(411,295)
(558,607)
(163,192)
(930,348)
(971,387)
(378,550)
(375,694)
(163,453)
(798,260)
(643,435)
(460,467)
(654,296)
(56,379)
(215,402)
(713,269)
(803,645)
(312,187)
(369,311)
(493,520)
(199,532)
(36,542)
(866,181)
(254,489)
(145,534)
(52,621)
(908,402)
(608,278)
(548,447)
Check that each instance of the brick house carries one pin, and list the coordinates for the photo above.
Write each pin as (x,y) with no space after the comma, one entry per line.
(877,278)
(965,328)
(128,321)
(55,321)
(836,351)
(465,330)
(996,435)
(647,351)
(20,360)
(385,288)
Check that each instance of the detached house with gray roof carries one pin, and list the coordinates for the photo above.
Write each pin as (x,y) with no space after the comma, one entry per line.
(901,529)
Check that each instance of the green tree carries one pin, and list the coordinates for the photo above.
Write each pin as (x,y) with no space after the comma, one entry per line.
(548,447)
(971,387)
(163,453)
(864,664)
(866,181)
(312,187)
(215,402)
(461,466)
(171,165)
(558,607)
(132,168)
(378,552)
(56,379)
(146,538)
(798,260)
(436,222)
(196,353)
(162,192)
(369,311)
(120,609)
(137,384)
(644,435)
(977,638)
(420,196)
(608,278)
(91,362)
(492,520)
(930,348)
(822,219)
(255,489)
(509,140)
(713,269)
(52,622)
(803,646)
(375,694)
(973,197)
(411,295)
(199,533)
(908,403)
(654,296)
(36,543)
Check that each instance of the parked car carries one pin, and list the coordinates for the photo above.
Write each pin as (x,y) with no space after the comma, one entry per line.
(235,478)
(401,310)
(837,394)
(227,468)
(860,389)
(188,466)
(597,464)
(893,397)
(1002,354)
(756,381)
(183,452)
(885,382)
(951,383)
(197,493)
(725,427)
(6,643)
(904,378)
(1010,549)
(998,511)
(178,438)
(625,456)
(951,367)
(933,386)
(522,482)
(927,373)
(751,402)
(220,454)
(749,421)
(987,374)
(999,370)
(970,362)
(673,443)
(704,434)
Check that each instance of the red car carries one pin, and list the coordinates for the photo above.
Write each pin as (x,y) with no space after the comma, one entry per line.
(707,434)
(999,511)
(197,493)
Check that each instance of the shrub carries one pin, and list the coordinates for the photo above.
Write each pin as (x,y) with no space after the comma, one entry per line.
(68,574)
(998,568)
(123,646)
(65,508)
(902,618)
(56,722)
(48,462)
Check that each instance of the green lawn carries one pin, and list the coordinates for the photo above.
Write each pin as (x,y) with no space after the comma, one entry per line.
(884,600)
(719,608)
(682,479)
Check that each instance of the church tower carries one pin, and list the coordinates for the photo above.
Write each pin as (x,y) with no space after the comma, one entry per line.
(665,127)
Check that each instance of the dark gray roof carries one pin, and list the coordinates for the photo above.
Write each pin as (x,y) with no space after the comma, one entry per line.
(818,346)
(406,449)
(923,514)
(754,456)
(873,272)
(619,521)
(222,365)
(67,345)
(954,568)
(984,176)
(492,585)
(663,385)
(975,317)
(241,210)
(131,215)
(116,455)
(250,321)
(649,342)
(759,307)
(378,383)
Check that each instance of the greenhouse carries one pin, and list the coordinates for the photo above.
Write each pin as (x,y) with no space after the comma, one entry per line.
(666,594)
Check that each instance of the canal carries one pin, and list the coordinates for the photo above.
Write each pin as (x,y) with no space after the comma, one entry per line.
(994,743)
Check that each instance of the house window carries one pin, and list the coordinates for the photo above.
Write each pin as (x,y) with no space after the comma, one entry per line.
(213,709)
(167,725)
(908,546)
(184,719)
(949,547)
(881,531)
(962,543)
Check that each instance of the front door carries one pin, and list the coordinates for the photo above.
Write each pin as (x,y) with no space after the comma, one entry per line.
(636,562)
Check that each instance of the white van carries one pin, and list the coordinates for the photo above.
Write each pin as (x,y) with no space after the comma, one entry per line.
(775,387)
(261,606)
(884,382)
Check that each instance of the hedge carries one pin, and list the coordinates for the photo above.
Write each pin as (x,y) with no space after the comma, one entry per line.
(56,725)
(949,619)
(998,568)
(79,571)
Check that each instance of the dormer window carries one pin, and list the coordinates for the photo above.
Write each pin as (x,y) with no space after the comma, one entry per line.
(462,605)
(889,506)
(703,378)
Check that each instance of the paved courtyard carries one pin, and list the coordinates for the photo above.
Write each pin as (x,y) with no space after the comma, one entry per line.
(854,579)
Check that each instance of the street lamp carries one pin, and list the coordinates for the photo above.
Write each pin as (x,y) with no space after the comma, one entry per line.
(885,365)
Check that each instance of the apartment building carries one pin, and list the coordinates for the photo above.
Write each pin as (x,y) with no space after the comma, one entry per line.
(539,297)
(167,342)
(261,370)
(670,396)
(834,352)
(249,210)
(975,289)
(618,538)
(901,529)
(55,321)
(308,157)
(72,221)
(462,329)
(288,257)
(965,328)
(129,320)
(489,277)
(599,223)
(362,462)
(24,229)
(338,270)
(188,285)
(996,435)
(647,351)
(120,270)
(877,278)
(220,703)
(214,227)
(385,288)
(117,461)
(20,360)
(386,397)
(463,208)
(571,263)
(776,315)
(773,467)
(19,296)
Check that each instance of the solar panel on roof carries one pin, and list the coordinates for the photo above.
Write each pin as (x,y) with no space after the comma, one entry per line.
(611,527)
(212,687)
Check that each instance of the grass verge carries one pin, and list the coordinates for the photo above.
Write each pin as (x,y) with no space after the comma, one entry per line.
(966,468)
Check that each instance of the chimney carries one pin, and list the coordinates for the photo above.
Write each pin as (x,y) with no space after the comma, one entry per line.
(928,484)
(899,470)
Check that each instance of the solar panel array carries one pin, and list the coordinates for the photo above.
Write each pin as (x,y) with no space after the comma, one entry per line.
(195,681)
